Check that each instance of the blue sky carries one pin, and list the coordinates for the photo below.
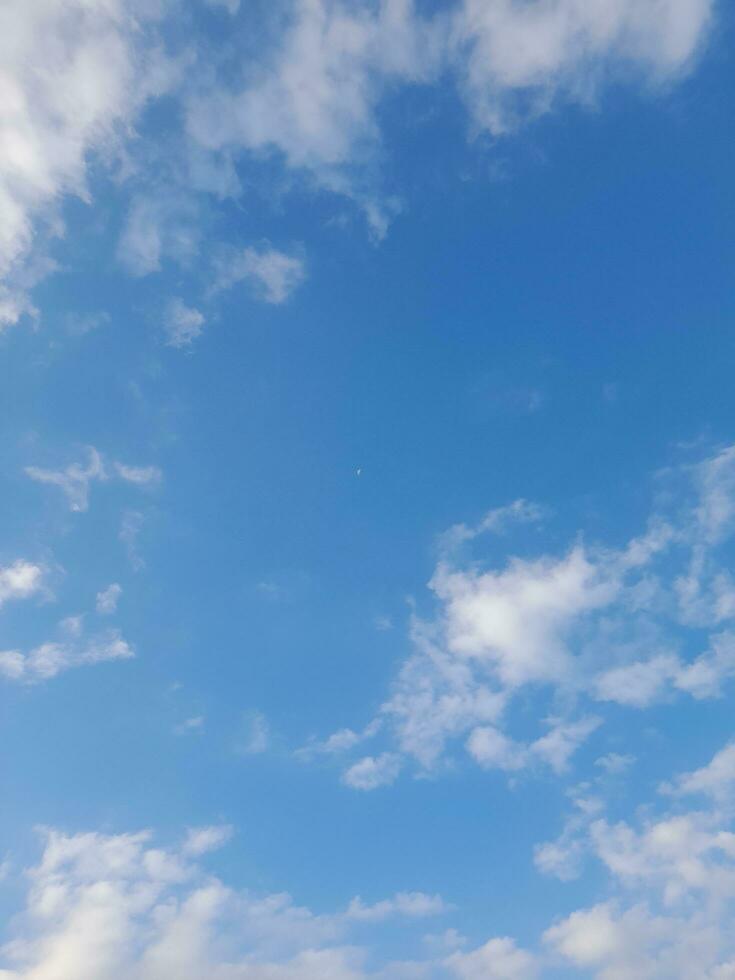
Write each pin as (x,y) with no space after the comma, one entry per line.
(368,490)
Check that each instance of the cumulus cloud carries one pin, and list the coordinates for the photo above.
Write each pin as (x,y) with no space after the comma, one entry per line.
(591,626)
(100,907)
(21,580)
(498,959)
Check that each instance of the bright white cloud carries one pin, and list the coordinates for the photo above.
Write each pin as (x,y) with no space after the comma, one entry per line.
(518,59)
(101,907)
(21,580)
(73,76)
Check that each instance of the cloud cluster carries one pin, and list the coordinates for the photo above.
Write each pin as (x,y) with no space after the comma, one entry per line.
(77,73)
(584,629)
(101,907)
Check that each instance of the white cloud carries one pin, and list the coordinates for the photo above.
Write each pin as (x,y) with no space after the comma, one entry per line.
(102,907)
(74,481)
(372,772)
(413,905)
(516,620)
(194,724)
(257,734)
(182,324)
(594,625)
(130,527)
(139,475)
(518,59)
(202,840)
(273,275)
(73,76)
(51,658)
(21,580)
(498,959)
(158,226)
(108,599)
(716,779)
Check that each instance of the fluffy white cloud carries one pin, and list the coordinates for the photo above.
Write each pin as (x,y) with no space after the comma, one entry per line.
(592,626)
(516,620)
(101,907)
(498,959)
(21,580)
(517,59)
(73,76)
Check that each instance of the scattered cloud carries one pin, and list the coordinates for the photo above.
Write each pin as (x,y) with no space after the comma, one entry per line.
(182,324)
(52,658)
(75,479)
(592,625)
(194,724)
(273,275)
(111,906)
(108,599)
(99,68)
(372,772)
(257,735)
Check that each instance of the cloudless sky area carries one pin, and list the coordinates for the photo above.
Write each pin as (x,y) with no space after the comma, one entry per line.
(368,490)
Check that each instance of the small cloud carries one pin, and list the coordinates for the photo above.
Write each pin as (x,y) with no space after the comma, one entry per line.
(74,481)
(273,275)
(202,840)
(21,580)
(383,624)
(195,724)
(182,324)
(614,764)
(257,735)
(108,598)
(413,905)
(373,771)
(50,659)
(130,528)
(79,324)
(139,475)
